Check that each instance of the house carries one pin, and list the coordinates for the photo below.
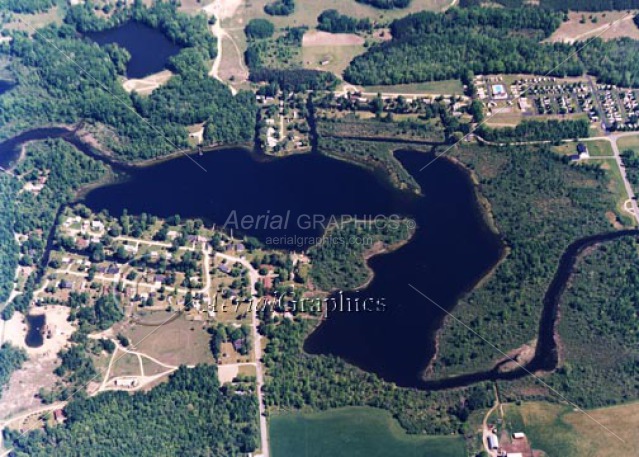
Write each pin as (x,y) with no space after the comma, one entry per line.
(493,442)
(160,278)
(59,416)
(518,435)
(126,382)
(81,243)
(582,150)
(224,268)
(65,284)
(113,269)
(238,344)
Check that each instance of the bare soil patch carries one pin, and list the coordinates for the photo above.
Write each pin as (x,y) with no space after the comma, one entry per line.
(608,26)
(320,38)
(20,393)
(60,329)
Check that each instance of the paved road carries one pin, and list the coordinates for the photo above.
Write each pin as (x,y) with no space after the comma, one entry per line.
(257,345)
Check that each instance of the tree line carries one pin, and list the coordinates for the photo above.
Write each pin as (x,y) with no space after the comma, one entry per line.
(549,130)
(334,22)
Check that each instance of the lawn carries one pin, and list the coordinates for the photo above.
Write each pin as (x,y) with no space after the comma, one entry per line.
(561,431)
(599,148)
(354,432)
(629,142)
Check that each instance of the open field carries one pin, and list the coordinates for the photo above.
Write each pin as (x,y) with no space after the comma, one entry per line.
(29,22)
(353,432)
(595,148)
(574,30)
(126,365)
(306,11)
(449,87)
(628,142)
(330,58)
(174,343)
(561,431)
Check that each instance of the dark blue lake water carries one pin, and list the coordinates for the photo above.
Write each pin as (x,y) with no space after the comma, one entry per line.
(150,49)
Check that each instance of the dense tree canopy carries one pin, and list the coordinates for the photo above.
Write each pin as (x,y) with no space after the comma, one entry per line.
(334,22)
(386,4)
(259,28)
(435,46)
(280,7)
(189,415)
(26,6)
(11,359)
(52,88)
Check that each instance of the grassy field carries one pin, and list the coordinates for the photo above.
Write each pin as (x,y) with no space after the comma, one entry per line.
(561,431)
(629,142)
(600,148)
(174,343)
(338,57)
(617,186)
(353,432)
(449,87)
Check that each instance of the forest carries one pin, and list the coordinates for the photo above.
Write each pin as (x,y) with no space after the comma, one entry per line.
(189,415)
(550,130)
(431,46)
(338,262)
(26,6)
(52,89)
(540,204)
(598,327)
(297,380)
(11,359)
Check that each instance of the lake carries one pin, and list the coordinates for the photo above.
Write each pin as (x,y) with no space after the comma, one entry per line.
(36,325)
(451,251)
(150,49)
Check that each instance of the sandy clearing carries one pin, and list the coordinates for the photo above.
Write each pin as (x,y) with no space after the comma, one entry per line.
(319,38)
(226,373)
(15,331)
(20,394)
(145,86)
(223,9)
(613,25)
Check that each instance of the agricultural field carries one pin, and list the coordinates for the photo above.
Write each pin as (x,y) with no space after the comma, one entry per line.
(561,431)
(353,432)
